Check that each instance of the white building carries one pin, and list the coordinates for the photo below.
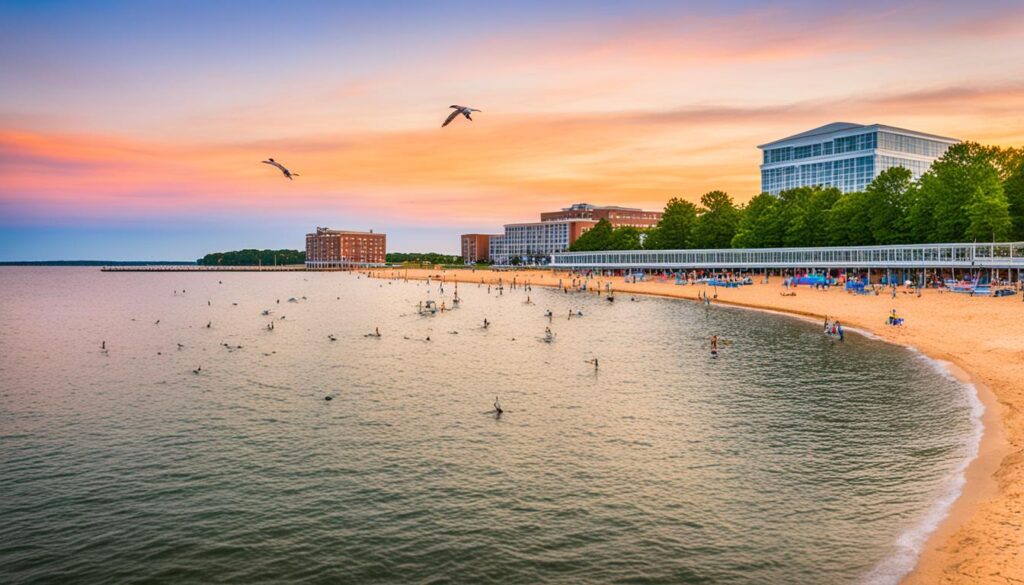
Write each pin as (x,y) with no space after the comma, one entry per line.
(847,156)
(536,241)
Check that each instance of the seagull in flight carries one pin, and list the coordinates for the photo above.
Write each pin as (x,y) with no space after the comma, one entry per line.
(464,110)
(280,167)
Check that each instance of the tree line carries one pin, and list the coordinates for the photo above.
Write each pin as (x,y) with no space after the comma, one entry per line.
(421,258)
(253,258)
(972,193)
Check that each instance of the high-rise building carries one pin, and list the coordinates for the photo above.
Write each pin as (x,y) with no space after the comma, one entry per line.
(327,249)
(847,156)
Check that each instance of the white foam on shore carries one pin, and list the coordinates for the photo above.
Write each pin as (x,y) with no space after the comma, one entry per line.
(910,543)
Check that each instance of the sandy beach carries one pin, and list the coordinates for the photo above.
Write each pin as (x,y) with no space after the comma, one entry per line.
(982,539)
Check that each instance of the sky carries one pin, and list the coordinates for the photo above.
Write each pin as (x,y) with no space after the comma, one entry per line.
(135,130)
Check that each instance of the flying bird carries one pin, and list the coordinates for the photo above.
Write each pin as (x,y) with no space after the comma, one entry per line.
(281,167)
(464,110)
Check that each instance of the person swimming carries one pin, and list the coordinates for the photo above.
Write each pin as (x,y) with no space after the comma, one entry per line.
(714,346)
(486,323)
(497,408)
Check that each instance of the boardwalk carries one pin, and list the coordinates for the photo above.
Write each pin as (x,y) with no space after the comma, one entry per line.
(924,256)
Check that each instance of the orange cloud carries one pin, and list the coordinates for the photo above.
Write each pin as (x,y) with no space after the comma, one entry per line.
(502,167)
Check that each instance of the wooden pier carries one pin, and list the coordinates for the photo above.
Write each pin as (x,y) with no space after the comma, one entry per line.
(198,268)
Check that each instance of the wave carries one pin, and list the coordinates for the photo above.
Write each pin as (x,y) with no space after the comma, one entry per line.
(911,542)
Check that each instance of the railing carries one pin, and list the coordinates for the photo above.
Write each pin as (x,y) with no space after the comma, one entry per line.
(1002,255)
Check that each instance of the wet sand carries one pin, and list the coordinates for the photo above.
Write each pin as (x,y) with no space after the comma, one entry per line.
(982,539)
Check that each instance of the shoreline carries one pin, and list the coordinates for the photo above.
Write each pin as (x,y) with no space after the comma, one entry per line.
(950,550)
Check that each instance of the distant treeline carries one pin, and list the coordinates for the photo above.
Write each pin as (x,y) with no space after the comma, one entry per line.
(972,193)
(422,257)
(94,263)
(253,258)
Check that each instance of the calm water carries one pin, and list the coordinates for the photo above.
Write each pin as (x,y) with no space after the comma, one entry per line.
(790,459)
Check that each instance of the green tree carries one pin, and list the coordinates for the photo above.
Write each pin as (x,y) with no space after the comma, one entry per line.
(252,257)
(848,221)
(989,215)
(596,238)
(889,197)
(674,230)
(754,224)
(806,215)
(421,258)
(1013,187)
(625,238)
(717,224)
(940,211)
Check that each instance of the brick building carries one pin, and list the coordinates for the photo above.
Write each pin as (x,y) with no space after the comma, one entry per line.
(327,249)
(476,248)
(617,216)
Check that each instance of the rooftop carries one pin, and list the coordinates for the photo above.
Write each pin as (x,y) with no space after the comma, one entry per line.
(588,206)
(844,127)
(323,230)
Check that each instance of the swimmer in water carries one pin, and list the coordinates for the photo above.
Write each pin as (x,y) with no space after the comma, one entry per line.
(497,408)
(714,345)
(486,323)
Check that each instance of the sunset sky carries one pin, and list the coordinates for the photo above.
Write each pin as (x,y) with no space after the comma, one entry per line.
(134,130)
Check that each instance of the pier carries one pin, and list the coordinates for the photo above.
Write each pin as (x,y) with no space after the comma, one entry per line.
(198,268)
(969,257)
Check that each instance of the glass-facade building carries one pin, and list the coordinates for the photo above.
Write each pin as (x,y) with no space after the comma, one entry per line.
(847,156)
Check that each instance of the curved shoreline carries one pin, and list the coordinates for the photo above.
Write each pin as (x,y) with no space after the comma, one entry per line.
(946,549)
